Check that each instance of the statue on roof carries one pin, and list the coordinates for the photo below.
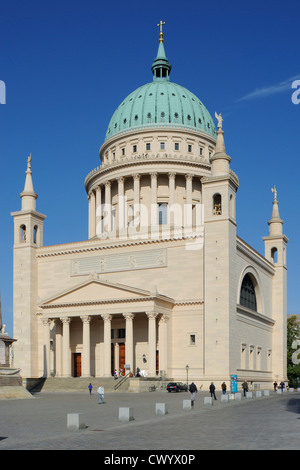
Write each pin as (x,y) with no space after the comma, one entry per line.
(219,119)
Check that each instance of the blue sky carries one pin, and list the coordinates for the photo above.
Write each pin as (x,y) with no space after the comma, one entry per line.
(67,65)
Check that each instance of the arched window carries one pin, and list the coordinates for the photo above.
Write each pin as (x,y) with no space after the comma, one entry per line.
(35,234)
(217,204)
(247,294)
(274,254)
(23,234)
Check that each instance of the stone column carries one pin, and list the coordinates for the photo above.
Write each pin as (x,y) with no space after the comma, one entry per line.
(136,199)
(86,356)
(108,214)
(154,211)
(92,214)
(152,342)
(188,212)
(121,203)
(129,340)
(107,344)
(66,347)
(171,208)
(46,347)
(98,211)
(163,343)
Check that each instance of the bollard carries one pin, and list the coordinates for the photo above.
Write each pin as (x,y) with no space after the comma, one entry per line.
(125,414)
(75,421)
(187,404)
(161,409)
(231,396)
(224,398)
(291,390)
(208,401)
(258,394)
(238,396)
(266,393)
(249,395)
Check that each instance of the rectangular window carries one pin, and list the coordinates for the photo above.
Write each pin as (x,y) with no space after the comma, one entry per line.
(176,146)
(201,151)
(148,146)
(189,148)
(121,333)
(192,340)
(123,151)
(134,148)
(162,146)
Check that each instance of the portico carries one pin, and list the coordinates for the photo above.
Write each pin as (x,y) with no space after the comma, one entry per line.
(94,337)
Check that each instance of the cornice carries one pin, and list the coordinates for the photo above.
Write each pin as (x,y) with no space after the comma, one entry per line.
(93,245)
(139,161)
(256,257)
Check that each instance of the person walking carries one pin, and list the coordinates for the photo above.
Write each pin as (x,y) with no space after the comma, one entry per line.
(100,392)
(212,389)
(90,388)
(224,388)
(275,385)
(245,387)
(193,390)
(282,385)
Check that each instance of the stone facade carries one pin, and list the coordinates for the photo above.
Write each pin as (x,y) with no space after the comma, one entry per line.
(163,280)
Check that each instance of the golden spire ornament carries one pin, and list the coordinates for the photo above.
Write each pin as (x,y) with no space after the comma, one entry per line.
(161,34)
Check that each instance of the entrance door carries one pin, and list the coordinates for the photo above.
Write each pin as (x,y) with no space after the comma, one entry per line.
(122,357)
(77,364)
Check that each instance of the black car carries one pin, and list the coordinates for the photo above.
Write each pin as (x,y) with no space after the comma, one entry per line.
(177,387)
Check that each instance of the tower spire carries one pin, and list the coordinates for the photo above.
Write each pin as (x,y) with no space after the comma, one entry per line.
(275,223)
(161,67)
(28,195)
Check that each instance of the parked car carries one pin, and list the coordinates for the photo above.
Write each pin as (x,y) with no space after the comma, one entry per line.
(177,387)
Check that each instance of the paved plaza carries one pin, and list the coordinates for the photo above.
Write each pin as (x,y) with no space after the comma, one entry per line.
(40,423)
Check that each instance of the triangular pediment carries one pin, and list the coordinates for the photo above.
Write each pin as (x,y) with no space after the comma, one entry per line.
(96,291)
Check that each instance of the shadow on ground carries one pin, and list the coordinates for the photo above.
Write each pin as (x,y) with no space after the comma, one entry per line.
(293,405)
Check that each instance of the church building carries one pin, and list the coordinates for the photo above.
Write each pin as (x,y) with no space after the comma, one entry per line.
(163,283)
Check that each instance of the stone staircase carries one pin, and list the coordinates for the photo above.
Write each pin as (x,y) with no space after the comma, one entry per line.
(80,384)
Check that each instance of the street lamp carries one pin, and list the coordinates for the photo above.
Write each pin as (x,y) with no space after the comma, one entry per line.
(187,374)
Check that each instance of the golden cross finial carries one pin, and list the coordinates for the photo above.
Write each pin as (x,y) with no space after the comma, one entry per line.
(161,34)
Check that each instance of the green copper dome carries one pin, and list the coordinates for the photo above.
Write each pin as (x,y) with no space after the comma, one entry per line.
(159,104)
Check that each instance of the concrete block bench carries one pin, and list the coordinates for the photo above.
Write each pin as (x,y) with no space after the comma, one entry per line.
(187,404)
(208,401)
(75,421)
(126,414)
(249,395)
(161,409)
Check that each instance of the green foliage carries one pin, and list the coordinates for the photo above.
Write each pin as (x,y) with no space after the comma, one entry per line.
(293,346)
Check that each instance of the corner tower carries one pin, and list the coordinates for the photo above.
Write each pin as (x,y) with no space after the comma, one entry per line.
(28,236)
(275,252)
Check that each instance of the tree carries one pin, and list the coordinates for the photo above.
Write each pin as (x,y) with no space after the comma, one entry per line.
(293,350)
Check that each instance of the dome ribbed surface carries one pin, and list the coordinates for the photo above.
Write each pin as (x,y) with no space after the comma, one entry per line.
(159,104)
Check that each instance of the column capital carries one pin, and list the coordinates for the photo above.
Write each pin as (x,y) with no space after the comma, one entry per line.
(107,184)
(121,179)
(65,320)
(106,317)
(136,176)
(189,176)
(172,175)
(128,316)
(164,318)
(152,314)
(85,318)
(153,174)
(46,321)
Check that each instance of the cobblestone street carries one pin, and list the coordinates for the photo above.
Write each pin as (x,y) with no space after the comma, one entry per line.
(40,423)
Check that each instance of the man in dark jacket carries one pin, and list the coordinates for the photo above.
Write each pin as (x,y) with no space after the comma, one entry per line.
(193,390)
(212,389)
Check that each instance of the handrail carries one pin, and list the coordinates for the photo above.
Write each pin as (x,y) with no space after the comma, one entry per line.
(122,380)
